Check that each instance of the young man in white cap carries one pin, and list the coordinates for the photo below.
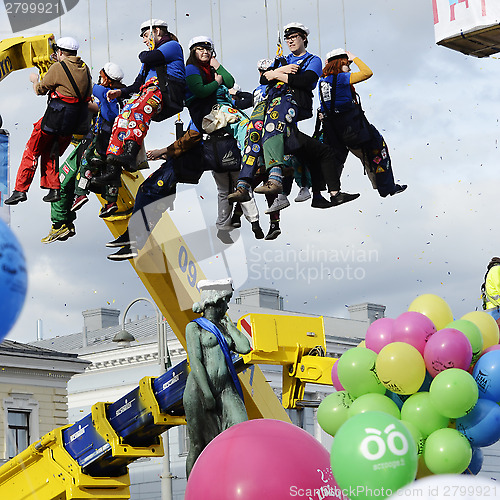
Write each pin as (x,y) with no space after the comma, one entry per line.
(69,84)
(133,122)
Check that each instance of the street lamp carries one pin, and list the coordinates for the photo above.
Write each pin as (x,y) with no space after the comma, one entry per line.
(165,364)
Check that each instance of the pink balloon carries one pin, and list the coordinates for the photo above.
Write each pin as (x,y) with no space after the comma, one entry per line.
(260,459)
(413,328)
(335,377)
(495,347)
(447,348)
(379,334)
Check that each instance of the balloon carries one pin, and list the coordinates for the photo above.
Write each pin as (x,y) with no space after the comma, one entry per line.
(419,410)
(446,451)
(473,333)
(447,348)
(476,462)
(335,377)
(445,487)
(356,372)
(482,425)
(487,325)
(453,393)
(379,334)
(374,402)
(400,367)
(487,375)
(373,454)
(13,279)
(333,411)
(417,436)
(434,307)
(260,458)
(414,328)
(495,347)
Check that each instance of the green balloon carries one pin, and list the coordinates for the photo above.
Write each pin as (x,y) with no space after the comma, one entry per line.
(334,411)
(454,392)
(356,372)
(374,402)
(473,333)
(447,451)
(419,410)
(417,436)
(373,454)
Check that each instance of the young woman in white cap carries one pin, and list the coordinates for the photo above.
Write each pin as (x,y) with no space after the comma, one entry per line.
(72,96)
(345,126)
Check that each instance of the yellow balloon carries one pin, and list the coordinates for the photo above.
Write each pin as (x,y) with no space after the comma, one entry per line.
(400,368)
(362,344)
(434,307)
(487,325)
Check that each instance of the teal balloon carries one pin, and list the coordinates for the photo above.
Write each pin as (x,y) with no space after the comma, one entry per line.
(374,402)
(13,279)
(356,372)
(447,451)
(454,392)
(333,411)
(473,333)
(373,453)
(419,410)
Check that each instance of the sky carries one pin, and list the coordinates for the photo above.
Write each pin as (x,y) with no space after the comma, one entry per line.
(436,108)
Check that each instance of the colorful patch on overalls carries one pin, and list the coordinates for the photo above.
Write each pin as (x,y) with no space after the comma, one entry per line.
(248,149)
(379,170)
(142,127)
(148,109)
(288,118)
(132,124)
(258,125)
(232,110)
(137,132)
(377,160)
(139,116)
(255,148)
(125,114)
(160,183)
(270,127)
(113,149)
(280,126)
(291,112)
(122,123)
(250,160)
(384,153)
(121,135)
(245,158)
(274,115)
(65,169)
(254,137)
(276,101)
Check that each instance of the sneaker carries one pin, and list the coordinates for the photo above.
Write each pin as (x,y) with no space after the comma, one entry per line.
(274,232)
(125,253)
(236,220)
(320,202)
(257,230)
(278,204)
(304,194)
(122,241)
(241,195)
(270,187)
(399,189)
(108,210)
(52,196)
(60,233)
(79,202)
(341,197)
(16,197)
(72,232)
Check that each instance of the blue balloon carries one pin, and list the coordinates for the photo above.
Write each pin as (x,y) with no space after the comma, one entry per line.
(13,279)
(486,373)
(482,425)
(476,462)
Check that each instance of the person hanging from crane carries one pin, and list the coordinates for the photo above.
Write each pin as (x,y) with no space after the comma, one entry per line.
(345,127)
(211,109)
(490,289)
(69,85)
(160,86)
(274,125)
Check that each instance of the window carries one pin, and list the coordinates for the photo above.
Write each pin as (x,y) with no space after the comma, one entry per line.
(18,434)
(183,440)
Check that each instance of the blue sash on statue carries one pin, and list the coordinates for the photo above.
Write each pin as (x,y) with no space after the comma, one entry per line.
(210,327)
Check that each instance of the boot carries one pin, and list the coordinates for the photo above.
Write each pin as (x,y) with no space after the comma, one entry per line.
(16,197)
(52,195)
(127,159)
(111,174)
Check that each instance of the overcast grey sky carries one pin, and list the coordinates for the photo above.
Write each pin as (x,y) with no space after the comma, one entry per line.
(436,108)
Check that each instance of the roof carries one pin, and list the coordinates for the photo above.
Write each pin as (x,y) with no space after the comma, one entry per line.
(9,346)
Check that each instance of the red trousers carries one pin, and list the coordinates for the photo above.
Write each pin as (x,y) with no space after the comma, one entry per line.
(40,145)
(132,124)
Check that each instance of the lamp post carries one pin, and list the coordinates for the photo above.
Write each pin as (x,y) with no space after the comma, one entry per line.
(165,364)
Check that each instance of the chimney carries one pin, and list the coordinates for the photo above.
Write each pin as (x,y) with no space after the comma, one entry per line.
(96,319)
(366,312)
(85,340)
(39,329)
(261,297)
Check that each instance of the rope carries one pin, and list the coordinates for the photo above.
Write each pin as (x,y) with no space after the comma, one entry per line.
(220,31)
(212,19)
(90,35)
(107,30)
(343,16)
(267,28)
(60,27)
(319,29)
(175,14)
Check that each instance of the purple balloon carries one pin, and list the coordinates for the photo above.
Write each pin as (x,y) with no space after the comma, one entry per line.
(447,348)
(335,377)
(379,334)
(413,328)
